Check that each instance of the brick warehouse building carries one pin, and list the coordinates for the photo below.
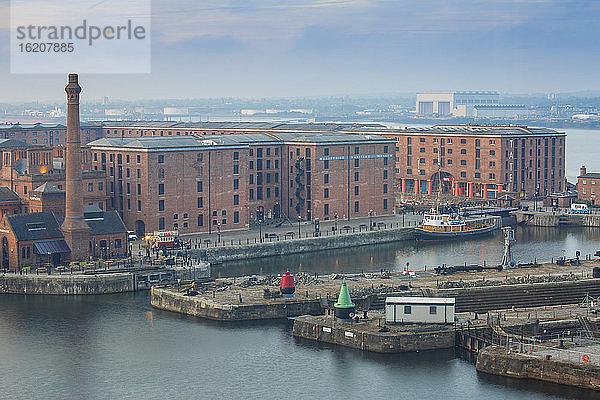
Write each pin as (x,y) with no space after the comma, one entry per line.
(25,167)
(480,161)
(52,135)
(210,184)
(588,186)
(477,160)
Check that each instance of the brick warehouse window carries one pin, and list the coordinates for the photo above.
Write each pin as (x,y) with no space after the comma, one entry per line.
(199,186)
(161,223)
(356,176)
(161,189)
(161,205)
(385,188)
(326,193)
(356,190)
(356,206)
(161,159)
(236,155)
(326,178)
(200,202)
(326,164)
(326,209)
(200,220)
(236,199)
(236,217)
(236,184)
(236,169)
(385,204)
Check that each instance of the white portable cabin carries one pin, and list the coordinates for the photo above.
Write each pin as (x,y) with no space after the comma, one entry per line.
(421,310)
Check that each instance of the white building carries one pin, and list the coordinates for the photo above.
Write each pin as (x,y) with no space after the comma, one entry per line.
(457,104)
(423,310)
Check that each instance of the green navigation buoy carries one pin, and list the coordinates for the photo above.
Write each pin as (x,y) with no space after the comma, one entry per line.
(344,307)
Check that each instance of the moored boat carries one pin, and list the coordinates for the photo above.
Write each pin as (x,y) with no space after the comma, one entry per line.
(446,226)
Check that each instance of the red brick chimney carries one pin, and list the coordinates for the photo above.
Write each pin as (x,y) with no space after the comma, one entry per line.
(75,229)
(582,170)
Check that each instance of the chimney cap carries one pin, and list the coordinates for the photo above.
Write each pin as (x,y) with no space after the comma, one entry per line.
(73,78)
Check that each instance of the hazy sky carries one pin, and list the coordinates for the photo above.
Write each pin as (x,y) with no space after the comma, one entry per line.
(261,48)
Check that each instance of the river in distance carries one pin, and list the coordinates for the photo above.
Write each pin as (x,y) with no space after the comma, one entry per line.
(117,346)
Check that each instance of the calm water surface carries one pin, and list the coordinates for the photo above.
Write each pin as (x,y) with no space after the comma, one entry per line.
(541,244)
(116,346)
(108,347)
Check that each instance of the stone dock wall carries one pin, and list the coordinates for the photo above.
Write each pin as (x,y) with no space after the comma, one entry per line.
(536,218)
(164,299)
(498,361)
(344,334)
(487,298)
(292,246)
(66,284)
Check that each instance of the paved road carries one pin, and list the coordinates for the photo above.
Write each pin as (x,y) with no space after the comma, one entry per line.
(291,229)
(306,229)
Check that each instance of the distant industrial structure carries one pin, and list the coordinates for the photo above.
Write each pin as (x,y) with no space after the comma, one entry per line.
(467,104)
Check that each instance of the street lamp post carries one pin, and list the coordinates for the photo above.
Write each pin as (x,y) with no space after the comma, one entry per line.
(335,217)
(260,238)
(219,231)
(370,220)
(299,219)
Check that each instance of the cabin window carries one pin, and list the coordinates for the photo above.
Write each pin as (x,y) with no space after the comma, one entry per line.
(432,310)
(407,310)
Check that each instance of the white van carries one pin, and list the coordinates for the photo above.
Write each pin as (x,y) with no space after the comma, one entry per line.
(580,208)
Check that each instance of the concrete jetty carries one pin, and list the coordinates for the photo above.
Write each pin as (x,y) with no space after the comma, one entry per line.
(241,310)
(367,334)
(540,366)
(259,297)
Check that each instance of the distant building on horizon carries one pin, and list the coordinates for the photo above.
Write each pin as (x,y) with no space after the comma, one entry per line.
(477,104)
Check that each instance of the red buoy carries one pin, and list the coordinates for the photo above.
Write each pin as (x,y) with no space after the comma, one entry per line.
(287,283)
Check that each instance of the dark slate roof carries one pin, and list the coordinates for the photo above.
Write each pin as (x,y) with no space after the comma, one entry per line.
(47,188)
(36,125)
(165,142)
(105,223)
(6,143)
(6,194)
(590,175)
(35,226)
